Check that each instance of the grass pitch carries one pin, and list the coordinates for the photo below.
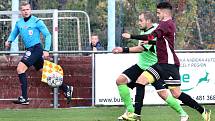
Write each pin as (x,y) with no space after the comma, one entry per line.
(149,113)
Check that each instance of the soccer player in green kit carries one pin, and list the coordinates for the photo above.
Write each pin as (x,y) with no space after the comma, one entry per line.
(128,78)
(167,68)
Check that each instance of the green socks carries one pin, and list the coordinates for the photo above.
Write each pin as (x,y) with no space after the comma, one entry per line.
(173,103)
(126,98)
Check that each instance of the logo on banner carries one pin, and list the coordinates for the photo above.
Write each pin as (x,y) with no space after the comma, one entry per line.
(201,80)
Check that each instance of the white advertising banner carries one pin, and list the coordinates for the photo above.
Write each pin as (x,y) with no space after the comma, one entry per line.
(196,76)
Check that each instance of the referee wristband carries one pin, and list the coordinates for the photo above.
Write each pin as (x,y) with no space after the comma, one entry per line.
(125,50)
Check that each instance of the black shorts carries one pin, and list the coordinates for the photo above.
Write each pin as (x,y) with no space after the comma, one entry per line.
(169,73)
(33,57)
(134,72)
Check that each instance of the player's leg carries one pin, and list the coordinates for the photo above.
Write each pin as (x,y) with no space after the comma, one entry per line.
(125,96)
(125,93)
(169,99)
(174,104)
(174,86)
(154,77)
(140,93)
(133,73)
(141,81)
(147,77)
(187,100)
(125,81)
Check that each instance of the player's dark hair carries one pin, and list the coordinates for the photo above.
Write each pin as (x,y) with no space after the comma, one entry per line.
(164,5)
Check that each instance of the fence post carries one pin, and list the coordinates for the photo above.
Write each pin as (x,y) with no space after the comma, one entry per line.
(15,16)
(55,48)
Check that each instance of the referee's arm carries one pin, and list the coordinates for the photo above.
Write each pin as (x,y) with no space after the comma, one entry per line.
(44,30)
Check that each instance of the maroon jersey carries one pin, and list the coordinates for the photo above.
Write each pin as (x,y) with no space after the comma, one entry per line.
(165,43)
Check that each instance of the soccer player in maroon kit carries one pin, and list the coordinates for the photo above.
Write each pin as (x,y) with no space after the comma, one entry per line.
(167,67)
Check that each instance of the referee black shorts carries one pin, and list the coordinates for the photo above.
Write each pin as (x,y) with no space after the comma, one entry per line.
(33,57)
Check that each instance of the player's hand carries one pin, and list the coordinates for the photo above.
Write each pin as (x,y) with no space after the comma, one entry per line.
(117,50)
(45,54)
(7,44)
(126,35)
(94,49)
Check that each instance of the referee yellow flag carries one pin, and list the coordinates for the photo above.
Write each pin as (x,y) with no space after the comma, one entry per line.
(48,68)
